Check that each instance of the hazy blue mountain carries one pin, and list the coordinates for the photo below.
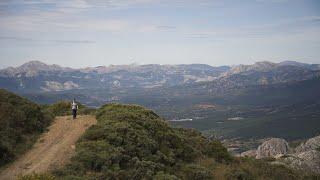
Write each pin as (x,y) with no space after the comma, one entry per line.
(259,100)
(36,76)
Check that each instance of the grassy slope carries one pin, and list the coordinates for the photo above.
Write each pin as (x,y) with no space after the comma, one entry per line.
(130,142)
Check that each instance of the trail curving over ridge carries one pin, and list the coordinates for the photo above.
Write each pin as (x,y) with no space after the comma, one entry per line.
(53,149)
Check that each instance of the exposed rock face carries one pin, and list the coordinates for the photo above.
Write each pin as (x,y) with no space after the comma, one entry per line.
(306,161)
(311,144)
(258,66)
(56,86)
(249,153)
(274,147)
(306,156)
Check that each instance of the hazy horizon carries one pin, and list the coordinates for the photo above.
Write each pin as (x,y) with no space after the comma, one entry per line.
(82,33)
(137,64)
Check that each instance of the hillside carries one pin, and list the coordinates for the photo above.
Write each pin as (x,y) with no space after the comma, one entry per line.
(280,96)
(287,110)
(254,101)
(52,150)
(21,122)
(282,107)
(131,142)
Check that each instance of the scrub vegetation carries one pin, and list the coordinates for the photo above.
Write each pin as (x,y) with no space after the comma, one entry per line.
(131,142)
(21,122)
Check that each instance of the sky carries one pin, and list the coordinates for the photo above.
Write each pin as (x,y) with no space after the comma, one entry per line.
(81,33)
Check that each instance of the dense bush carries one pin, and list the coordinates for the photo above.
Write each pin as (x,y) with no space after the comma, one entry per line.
(218,152)
(21,121)
(60,108)
(35,176)
(248,168)
(63,108)
(131,142)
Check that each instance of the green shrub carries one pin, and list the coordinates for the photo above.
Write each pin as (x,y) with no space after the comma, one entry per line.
(131,142)
(60,108)
(195,172)
(21,121)
(248,168)
(63,108)
(163,176)
(218,152)
(35,176)
(87,111)
(239,174)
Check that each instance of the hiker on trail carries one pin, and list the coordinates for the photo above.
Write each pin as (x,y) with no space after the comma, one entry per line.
(74,107)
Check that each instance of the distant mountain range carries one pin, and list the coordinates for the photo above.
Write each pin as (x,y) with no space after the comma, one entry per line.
(249,101)
(36,76)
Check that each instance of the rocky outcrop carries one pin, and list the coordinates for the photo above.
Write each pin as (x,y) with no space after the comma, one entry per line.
(306,161)
(311,144)
(249,153)
(275,147)
(57,86)
(305,157)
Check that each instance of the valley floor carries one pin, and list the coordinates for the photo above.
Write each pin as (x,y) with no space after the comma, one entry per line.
(53,149)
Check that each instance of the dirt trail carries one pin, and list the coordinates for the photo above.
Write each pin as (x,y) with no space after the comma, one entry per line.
(53,149)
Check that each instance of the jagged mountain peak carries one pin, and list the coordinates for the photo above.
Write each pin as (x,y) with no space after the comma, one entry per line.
(38,65)
(258,66)
(31,68)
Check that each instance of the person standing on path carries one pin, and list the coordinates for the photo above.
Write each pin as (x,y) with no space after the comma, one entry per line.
(74,107)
